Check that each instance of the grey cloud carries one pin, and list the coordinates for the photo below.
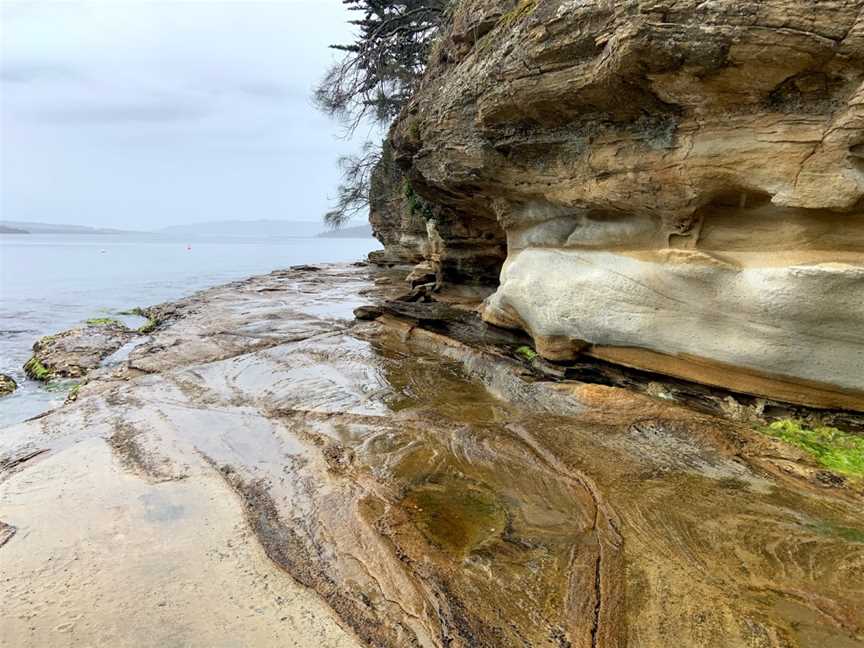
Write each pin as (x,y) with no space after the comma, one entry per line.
(30,72)
(139,113)
(156,111)
(262,90)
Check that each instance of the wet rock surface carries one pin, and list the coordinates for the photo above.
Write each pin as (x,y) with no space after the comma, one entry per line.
(77,352)
(267,469)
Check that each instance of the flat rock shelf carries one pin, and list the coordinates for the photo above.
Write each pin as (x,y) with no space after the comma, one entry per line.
(266,470)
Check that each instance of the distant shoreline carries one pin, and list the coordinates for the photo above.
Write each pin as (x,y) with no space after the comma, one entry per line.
(356,231)
(252,229)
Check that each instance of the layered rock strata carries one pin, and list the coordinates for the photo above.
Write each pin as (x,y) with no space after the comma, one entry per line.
(399,228)
(416,231)
(680,185)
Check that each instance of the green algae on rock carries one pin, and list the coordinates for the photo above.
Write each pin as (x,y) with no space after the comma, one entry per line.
(147,327)
(72,396)
(36,370)
(526,352)
(838,451)
(521,10)
(104,321)
(76,352)
(7,385)
(846,533)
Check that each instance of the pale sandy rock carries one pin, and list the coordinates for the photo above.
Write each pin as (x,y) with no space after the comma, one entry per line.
(103,556)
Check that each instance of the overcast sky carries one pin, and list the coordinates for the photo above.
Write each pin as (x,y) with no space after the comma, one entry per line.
(139,114)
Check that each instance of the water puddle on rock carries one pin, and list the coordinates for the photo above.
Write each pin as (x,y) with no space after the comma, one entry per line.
(455,514)
(540,529)
(122,354)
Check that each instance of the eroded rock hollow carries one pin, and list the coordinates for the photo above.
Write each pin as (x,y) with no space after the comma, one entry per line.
(675,186)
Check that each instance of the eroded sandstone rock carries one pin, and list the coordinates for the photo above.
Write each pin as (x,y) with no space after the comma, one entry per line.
(401,229)
(680,184)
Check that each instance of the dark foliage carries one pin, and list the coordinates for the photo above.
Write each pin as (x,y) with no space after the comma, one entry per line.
(376,76)
(353,193)
(381,68)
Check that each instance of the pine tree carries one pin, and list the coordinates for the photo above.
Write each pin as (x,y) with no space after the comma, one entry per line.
(381,68)
(376,76)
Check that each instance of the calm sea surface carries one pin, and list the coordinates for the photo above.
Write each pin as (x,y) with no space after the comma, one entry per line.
(49,283)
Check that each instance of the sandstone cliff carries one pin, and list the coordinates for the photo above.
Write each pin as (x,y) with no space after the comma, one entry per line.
(675,185)
(396,221)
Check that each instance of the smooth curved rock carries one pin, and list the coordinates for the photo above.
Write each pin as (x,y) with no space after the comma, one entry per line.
(681,184)
(800,320)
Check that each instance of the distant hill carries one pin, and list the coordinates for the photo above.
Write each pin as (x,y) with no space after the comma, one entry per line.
(5,229)
(50,228)
(246,229)
(357,231)
(229,229)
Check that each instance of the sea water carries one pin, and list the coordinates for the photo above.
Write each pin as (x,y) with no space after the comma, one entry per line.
(49,283)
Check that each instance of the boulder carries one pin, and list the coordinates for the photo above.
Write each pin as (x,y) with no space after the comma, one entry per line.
(7,385)
(76,352)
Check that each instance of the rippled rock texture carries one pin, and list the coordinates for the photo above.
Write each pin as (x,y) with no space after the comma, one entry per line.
(266,470)
(678,186)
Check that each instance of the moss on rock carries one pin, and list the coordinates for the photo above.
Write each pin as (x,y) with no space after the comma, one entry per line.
(147,327)
(838,451)
(72,396)
(415,204)
(521,10)
(104,321)
(37,371)
(7,385)
(526,352)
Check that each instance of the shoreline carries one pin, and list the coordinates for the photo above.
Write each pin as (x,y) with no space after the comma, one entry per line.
(408,478)
(715,400)
(92,285)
